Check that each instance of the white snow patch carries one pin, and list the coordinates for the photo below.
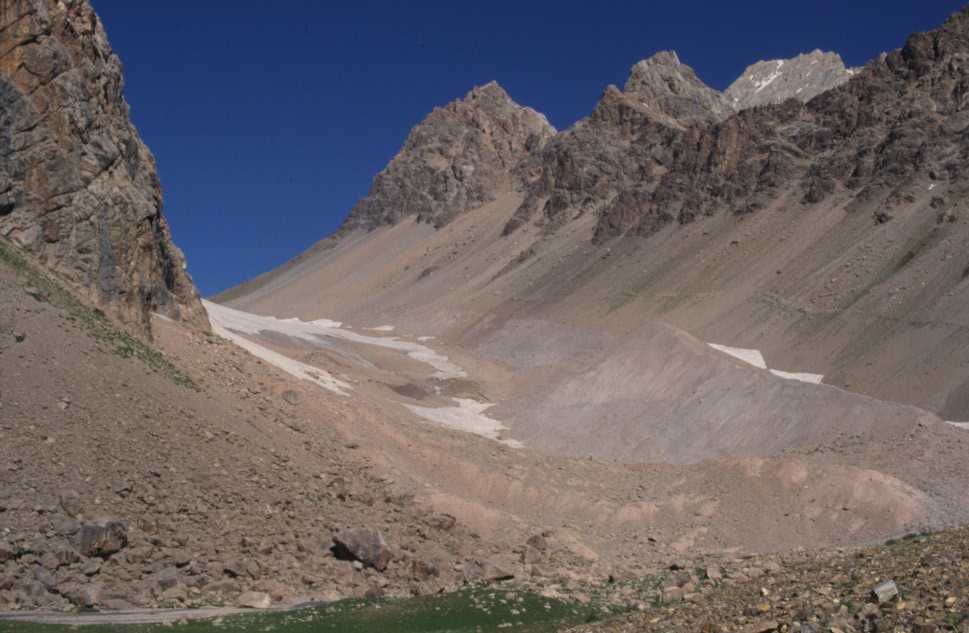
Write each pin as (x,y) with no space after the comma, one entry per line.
(311,332)
(961,425)
(755,358)
(932,186)
(227,322)
(814,379)
(382,328)
(749,356)
(159,315)
(467,416)
(326,323)
(424,339)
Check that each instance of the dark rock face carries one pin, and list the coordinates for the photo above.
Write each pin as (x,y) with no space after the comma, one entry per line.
(457,159)
(803,78)
(78,188)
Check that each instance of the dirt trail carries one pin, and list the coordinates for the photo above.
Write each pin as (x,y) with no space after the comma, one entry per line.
(141,616)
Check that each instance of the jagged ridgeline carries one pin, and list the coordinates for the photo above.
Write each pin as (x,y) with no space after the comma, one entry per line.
(79,190)
(668,148)
(461,155)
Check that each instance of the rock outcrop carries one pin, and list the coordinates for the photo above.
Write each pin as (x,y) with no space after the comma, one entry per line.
(638,168)
(668,88)
(634,155)
(629,138)
(78,188)
(462,155)
(803,77)
(901,116)
(457,159)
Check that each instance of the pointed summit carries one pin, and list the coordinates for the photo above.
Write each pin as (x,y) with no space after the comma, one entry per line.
(457,159)
(662,82)
(491,92)
(495,100)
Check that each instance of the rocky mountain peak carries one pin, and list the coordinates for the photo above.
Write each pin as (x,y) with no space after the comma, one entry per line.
(487,94)
(803,77)
(458,158)
(664,84)
(78,189)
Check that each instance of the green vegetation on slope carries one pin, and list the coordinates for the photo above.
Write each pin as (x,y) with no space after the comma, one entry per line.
(96,323)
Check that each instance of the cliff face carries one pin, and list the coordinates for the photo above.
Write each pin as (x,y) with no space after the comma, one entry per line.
(457,159)
(78,188)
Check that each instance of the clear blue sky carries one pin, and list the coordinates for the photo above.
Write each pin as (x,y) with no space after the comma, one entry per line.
(269,119)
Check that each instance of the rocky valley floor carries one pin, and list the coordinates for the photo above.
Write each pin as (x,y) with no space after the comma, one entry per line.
(208,475)
(919,583)
(699,362)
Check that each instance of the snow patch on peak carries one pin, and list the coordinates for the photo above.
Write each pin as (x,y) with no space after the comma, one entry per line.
(802,77)
(763,83)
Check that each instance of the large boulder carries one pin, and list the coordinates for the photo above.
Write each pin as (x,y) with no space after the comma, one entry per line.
(102,538)
(83,595)
(365,545)
(254,600)
(885,592)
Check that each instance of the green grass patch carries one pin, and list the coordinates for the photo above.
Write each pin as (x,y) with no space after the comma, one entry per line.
(470,611)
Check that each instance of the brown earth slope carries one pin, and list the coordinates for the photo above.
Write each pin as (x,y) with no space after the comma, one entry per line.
(240,482)
(218,483)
